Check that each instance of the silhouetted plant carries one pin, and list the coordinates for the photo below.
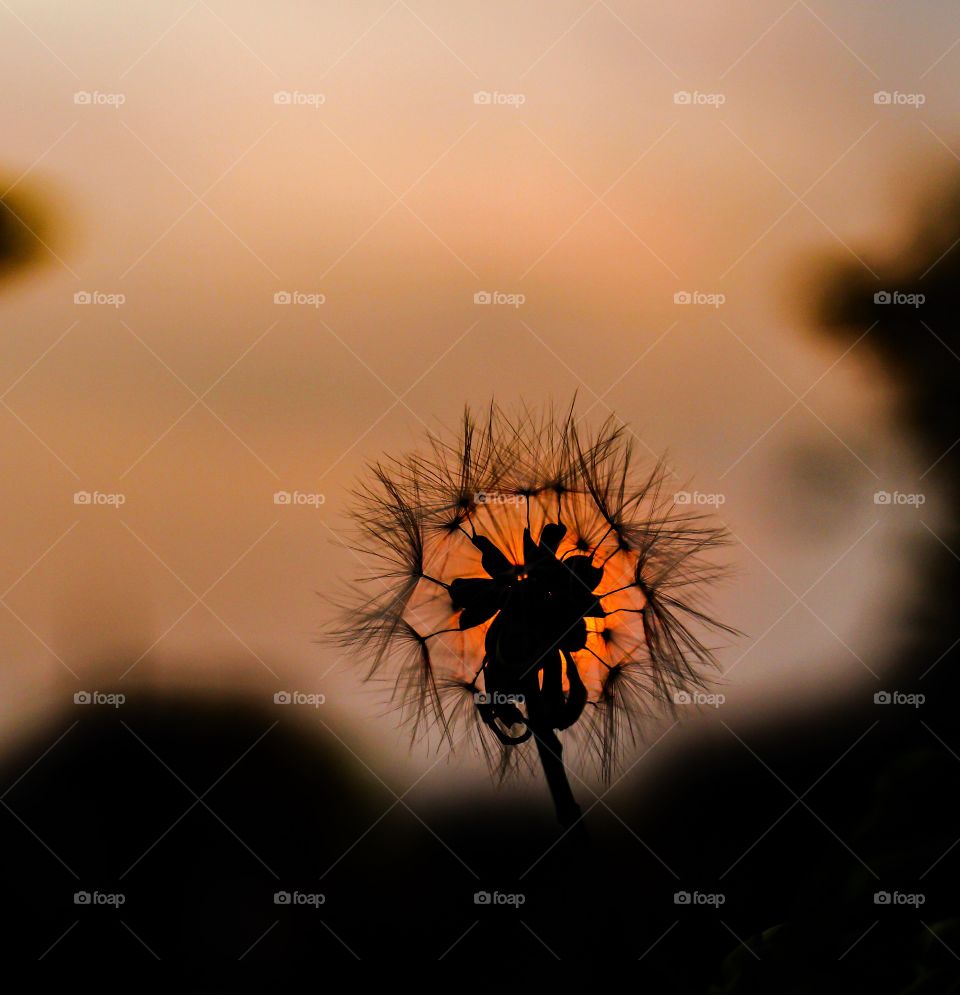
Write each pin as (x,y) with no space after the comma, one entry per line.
(527,581)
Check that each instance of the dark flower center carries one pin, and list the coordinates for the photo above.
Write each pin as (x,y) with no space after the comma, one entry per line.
(539,610)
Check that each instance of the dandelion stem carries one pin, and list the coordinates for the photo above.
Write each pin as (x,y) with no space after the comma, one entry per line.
(597,655)
(551,758)
(434,580)
(602,539)
(606,594)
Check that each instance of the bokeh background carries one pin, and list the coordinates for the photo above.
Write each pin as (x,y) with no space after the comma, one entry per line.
(243,252)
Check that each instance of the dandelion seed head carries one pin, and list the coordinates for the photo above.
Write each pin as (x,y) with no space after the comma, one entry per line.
(527,576)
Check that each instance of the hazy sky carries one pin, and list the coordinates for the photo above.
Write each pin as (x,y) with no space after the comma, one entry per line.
(200,158)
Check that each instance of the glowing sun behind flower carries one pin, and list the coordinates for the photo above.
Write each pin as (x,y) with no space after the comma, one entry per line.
(528,581)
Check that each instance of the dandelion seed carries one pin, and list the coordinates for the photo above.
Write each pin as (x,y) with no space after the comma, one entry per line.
(529,581)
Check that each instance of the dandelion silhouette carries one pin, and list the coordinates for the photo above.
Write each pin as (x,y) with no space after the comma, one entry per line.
(529,582)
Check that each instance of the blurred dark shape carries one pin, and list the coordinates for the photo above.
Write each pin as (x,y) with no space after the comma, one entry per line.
(103,801)
(910,310)
(23,230)
(892,802)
